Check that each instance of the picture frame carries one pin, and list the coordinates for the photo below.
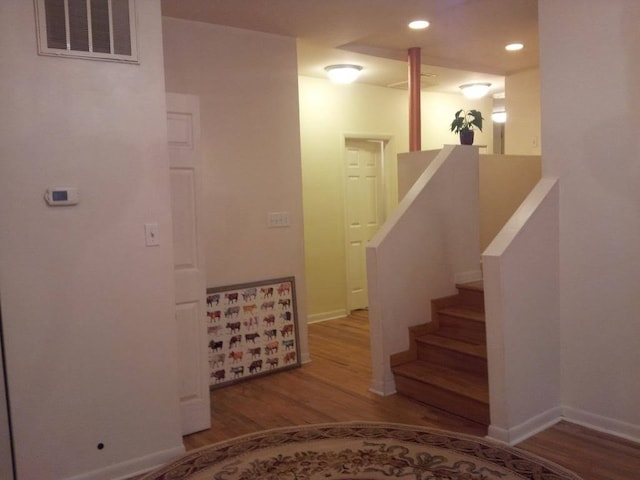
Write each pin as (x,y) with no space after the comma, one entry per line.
(252,330)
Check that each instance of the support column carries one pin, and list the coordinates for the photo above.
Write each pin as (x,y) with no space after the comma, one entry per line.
(415,141)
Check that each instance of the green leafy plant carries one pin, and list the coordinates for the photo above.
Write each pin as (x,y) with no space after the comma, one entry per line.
(466,121)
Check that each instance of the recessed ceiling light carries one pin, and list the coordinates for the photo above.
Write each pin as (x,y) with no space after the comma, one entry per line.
(418,24)
(513,47)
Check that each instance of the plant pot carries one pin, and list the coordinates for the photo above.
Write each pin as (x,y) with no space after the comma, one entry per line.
(466,137)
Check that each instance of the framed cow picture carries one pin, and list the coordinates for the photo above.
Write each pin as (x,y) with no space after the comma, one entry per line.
(252,330)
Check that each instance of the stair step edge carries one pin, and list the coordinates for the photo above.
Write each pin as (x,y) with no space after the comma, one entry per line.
(475,387)
(458,346)
(477,286)
(463,312)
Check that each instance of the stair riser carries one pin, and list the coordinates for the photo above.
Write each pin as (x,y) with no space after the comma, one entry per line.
(471,297)
(452,359)
(462,329)
(443,399)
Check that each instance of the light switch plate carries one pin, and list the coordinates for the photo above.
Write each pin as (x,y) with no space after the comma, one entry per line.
(151,234)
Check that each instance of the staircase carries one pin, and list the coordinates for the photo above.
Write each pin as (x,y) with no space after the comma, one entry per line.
(446,364)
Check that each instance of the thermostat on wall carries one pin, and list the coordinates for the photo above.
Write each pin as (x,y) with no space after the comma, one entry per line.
(60,196)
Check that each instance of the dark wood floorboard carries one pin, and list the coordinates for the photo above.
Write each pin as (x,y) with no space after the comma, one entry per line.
(334,388)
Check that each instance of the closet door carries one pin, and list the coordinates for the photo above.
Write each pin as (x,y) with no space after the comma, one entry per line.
(183,122)
(6,459)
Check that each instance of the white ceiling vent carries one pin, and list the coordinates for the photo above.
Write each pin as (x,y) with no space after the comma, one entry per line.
(95,29)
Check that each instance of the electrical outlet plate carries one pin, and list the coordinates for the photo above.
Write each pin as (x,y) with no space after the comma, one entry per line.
(278,219)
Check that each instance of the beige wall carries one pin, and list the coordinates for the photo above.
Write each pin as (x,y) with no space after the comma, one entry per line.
(522,102)
(505,181)
(330,112)
(87,309)
(589,142)
(247,84)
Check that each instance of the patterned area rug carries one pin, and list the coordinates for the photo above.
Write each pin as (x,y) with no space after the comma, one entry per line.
(359,451)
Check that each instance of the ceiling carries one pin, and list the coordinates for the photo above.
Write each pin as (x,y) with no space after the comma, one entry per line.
(464,43)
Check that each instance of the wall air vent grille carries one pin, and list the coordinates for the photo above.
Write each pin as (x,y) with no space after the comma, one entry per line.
(93,29)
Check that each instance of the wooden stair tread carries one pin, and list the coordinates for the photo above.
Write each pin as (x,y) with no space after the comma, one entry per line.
(446,366)
(463,311)
(475,350)
(462,383)
(478,285)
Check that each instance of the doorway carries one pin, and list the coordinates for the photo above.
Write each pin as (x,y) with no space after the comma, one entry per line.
(364,207)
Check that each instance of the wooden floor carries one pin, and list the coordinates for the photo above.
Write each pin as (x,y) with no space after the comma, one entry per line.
(334,388)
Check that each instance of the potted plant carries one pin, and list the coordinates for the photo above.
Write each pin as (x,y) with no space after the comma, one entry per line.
(463,124)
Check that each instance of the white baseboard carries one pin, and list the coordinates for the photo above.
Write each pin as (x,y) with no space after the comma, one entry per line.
(382,388)
(602,424)
(323,317)
(526,429)
(136,466)
(519,433)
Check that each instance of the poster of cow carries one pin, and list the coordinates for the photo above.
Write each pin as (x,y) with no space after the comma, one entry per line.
(252,330)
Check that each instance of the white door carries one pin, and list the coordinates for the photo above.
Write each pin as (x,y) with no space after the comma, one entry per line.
(183,119)
(6,460)
(364,212)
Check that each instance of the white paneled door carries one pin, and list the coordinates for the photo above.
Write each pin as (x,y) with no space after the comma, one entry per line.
(183,120)
(364,212)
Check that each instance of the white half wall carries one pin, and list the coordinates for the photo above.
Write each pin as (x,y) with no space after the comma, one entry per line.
(521,290)
(87,309)
(432,237)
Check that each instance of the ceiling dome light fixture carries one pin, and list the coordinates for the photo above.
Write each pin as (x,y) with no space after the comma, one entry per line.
(475,90)
(499,117)
(343,73)
(514,47)
(419,24)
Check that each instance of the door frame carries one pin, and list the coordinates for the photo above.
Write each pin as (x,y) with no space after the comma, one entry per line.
(387,174)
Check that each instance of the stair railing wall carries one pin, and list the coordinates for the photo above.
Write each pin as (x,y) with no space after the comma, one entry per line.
(505,181)
(430,241)
(521,289)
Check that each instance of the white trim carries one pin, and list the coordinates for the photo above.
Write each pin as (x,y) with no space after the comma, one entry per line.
(383,388)
(465,277)
(526,429)
(89,29)
(602,424)
(324,316)
(535,425)
(136,466)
